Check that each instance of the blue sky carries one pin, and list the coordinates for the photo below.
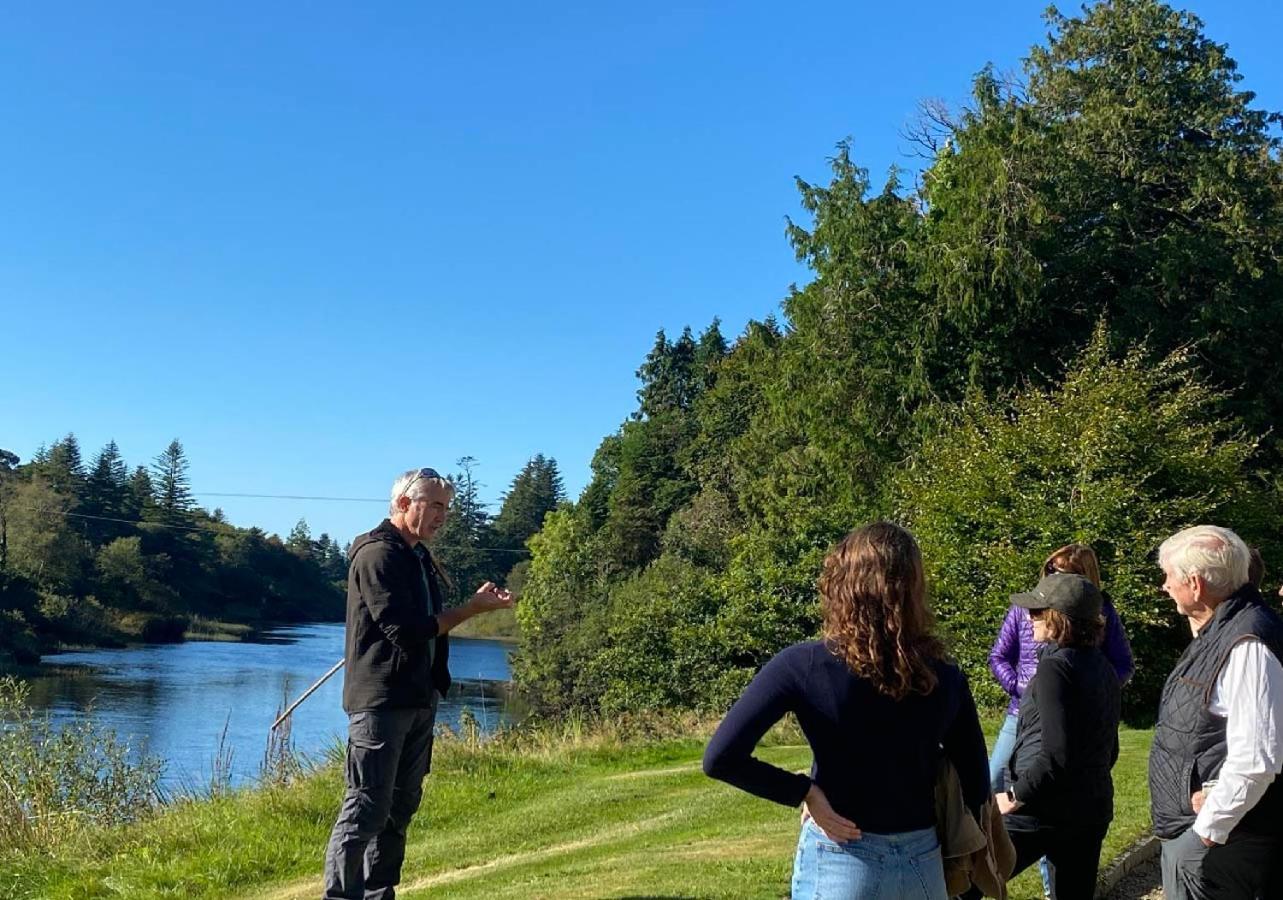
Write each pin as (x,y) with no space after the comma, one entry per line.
(320,243)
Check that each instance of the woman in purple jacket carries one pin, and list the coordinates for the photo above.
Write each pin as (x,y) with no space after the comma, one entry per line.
(1014,657)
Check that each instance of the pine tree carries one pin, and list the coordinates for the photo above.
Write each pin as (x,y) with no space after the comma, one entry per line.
(140,496)
(105,495)
(458,545)
(332,559)
(535,492)
(300,541)
(172,485)
(64,468)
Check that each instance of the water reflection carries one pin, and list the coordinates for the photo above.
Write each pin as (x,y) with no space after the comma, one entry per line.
(174,700)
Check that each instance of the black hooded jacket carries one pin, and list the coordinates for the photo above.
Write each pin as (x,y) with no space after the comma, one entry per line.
(395,653)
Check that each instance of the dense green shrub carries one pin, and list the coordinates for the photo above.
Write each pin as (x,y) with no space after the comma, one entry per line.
(1124,453)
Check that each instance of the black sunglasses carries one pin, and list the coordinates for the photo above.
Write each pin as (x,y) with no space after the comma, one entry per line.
(422,473)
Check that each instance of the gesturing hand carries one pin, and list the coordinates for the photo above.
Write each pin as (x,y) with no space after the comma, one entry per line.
(835,828)
(489,598)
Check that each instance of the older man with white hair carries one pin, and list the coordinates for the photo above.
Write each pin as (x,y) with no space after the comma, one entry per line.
(1215,799)
(396,657)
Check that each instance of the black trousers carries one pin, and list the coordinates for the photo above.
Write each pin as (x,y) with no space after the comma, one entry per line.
(1074,855)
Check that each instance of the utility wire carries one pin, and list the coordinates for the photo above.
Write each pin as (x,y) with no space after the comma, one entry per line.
(210,526)
(290,497)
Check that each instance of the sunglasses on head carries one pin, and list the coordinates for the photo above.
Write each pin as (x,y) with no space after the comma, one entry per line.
(422,473)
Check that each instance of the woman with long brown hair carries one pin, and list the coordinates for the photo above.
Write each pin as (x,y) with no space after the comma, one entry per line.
(879,704)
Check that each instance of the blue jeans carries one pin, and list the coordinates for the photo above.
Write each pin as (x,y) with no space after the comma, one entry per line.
(1003,744)
(905,866)
(1002,747)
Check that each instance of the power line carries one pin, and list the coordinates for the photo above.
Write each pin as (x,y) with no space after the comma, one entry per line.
(290,497)
(209,526)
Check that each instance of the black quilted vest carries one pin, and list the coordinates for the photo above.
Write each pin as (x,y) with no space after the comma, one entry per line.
(1189,742)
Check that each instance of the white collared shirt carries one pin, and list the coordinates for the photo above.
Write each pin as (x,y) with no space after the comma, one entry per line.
(1249,695)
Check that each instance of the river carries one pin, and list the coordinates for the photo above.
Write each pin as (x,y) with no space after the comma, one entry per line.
(173,701)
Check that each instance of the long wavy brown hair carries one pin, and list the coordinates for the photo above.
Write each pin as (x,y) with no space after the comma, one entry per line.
(874,598)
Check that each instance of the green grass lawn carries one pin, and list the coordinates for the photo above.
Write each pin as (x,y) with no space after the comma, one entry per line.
(565,818)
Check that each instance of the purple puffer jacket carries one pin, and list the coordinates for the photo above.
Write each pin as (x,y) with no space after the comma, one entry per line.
(1014,657)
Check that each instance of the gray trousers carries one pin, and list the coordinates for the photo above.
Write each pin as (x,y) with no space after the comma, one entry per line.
(389,751)
(1236,870)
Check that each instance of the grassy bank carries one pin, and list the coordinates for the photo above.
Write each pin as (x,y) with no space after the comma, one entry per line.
(500,625)
(567,816)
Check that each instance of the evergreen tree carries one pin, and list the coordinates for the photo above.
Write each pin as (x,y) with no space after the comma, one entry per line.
(140,496)
(459,545)
(668,376)
(1129,179)
(64,468)
(105,495)
(332,559)
(300,541)
(535,491)
(709,352)
(172,485)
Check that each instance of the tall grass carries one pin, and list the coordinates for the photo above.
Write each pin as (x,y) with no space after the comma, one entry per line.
(58,780)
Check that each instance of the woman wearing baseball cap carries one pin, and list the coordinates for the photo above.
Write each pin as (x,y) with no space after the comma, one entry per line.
(1058,798)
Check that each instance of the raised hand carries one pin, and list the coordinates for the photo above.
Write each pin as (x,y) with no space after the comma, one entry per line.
(489,598)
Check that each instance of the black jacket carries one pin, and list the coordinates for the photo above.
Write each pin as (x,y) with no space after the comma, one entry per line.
(395,654)
(1066,741)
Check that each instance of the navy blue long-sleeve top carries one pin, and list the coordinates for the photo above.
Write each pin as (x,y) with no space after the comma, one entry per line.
(875,757)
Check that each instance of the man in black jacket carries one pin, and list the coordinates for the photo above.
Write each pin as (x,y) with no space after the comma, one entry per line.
(396,657)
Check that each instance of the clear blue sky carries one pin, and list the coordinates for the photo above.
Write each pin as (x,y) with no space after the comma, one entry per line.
(323,242)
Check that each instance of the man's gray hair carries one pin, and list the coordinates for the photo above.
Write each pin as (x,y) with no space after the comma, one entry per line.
(413,483)
(1215,554)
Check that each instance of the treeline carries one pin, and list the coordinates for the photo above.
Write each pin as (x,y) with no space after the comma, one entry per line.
(474,546)
(1066,330)
(102,553)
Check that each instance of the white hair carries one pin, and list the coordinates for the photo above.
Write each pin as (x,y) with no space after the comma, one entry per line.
(413,484)
(1215,554)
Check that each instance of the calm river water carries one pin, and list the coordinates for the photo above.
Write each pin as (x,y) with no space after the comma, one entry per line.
(173,700)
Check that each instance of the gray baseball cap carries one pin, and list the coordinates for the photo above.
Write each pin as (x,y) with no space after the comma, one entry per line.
(1064,592)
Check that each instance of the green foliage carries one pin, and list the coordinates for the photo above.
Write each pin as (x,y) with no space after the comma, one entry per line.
(172,493)
(1124,453)
(535,491)
(111,556)
(947,356)
(560,614)
(1127,179)
(462,544)
(42,545)
(57,781)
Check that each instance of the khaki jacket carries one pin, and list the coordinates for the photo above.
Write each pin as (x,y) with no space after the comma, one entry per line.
(975,853)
